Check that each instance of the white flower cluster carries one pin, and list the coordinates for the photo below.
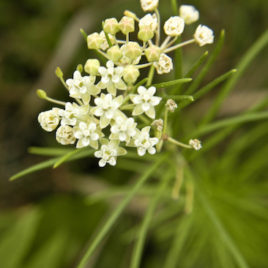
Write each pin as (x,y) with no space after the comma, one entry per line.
(108,107)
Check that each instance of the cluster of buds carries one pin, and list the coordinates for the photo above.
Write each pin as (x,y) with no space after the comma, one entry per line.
(110,110)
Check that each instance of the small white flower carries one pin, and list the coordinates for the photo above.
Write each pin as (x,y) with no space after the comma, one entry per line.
(164,65)
(111,78)
(149,5)
(49,120)
(65,135)
(171,105)
(196,144)
(87,134)
(73,113)
(189,13)
(109,152)
(82,87)
(145,101)
(107,108)
(174,26)
(158,124)
(144,142)
(203,35)
(123,129)
(148,22)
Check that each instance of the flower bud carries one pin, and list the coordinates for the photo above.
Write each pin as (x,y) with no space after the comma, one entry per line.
(149,5)
(174,26)
(132,50)
(189,14)
(196,144)
(49,120)
(94,41)
(164,65)
(65,135)
(171,105)
(153,53)
(127,25)
(111,26)
(148,21)
(130,14)
(203,35)
(158,124)
(145,34)
(92,67)
(131,74)
(114,53)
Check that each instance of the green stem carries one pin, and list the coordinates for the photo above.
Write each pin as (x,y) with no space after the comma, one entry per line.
(180,144)
(118,211)
(150,76)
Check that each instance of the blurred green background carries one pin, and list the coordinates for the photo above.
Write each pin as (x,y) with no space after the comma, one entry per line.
(46,218)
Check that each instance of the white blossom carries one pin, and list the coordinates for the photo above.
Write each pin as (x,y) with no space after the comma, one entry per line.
(149,5)
(123,129)
(111,78)
(108,153)
(148,22)
(73,113)
(107,108)
(49,120)
(196,144)
(82,87)
(174,26)
(171,105)
(203,35)
(164,65)
(87,134)
(144,142)
(65,135)
(145,101)
(189,13)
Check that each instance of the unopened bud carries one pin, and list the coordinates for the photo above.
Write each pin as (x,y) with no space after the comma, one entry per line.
(131,74)
(94,41)
(111,26)
(92,66)
(127,25)
(41,93)
(132,50)
(153,53)
(158,124)
(114,53)
(171,105)
(196,144)
(59,72)
(80,68)
(130,14)
(145,34)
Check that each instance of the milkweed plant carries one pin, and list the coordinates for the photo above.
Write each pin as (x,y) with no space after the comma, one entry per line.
(116,108)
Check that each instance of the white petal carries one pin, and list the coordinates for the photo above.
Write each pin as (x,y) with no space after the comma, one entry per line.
(141,151)
(102,163)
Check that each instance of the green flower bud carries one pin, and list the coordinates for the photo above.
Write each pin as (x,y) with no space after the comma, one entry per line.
(131,74)
(145,34)
(127,25)
(92,67)
(114,53)
(153,53)
(111,26)
(132,50)
(94,41)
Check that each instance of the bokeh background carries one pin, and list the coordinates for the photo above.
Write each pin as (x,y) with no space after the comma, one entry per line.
(46,219)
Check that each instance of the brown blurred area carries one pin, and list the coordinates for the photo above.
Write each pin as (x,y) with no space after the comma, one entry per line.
(36,36)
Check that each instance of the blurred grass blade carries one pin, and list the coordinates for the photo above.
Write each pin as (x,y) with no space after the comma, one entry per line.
(229,243)
(137,254)
(118,211)
(179,97)
(173,83)
(17,240)
(198,80)
(49,163)
(231,121)
(49,151)
(241,67)
(66,157)
(204,90)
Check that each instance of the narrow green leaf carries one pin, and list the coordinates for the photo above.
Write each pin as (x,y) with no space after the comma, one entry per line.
(231,121)
(180,97)
(107,37)
(258,46)
(66,157)
(197,64)
(47,164)
(84,34)
(198,80)
(118,211)
(49,151)
(142,82)
(173,83)
(174,6)
(136,258)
